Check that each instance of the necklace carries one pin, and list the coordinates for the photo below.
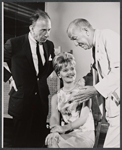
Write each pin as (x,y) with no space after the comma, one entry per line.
(69,89)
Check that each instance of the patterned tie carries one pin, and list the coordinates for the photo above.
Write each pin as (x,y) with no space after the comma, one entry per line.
(96,61)
(39,58)
(93,54)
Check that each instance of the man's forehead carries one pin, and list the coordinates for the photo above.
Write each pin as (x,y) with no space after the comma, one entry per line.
(44,22)
(74,31)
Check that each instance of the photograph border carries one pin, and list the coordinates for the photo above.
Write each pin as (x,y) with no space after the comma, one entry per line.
(1,54)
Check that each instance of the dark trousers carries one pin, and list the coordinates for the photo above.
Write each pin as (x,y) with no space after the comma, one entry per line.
(31,131)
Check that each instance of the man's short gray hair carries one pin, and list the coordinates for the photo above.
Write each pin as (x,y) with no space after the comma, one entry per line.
(39,14)
(78,23)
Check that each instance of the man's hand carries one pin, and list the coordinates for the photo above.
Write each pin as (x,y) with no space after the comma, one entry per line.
(12,84)
(86,93)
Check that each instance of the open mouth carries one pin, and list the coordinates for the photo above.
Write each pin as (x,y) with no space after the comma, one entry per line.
(85,47)
(70,76)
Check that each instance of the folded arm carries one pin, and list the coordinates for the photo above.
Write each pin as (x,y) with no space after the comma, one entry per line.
(78,122)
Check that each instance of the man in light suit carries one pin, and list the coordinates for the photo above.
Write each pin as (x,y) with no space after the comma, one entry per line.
(105,45)
(28,103)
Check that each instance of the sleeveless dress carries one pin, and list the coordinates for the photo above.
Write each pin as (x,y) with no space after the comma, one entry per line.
(82,137)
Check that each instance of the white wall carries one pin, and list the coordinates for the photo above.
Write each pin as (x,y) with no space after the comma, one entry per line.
(99,14)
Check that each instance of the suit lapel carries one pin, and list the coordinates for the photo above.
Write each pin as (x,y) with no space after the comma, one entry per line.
(28,53)
(97,55)
(45,52)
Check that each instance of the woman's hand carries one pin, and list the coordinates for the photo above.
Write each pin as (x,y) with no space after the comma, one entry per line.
(58,128)
(51,138)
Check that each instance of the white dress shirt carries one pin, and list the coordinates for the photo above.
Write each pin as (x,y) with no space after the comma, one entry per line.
(33,51)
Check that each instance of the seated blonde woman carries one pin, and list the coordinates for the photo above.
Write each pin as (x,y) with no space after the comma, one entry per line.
(77,131)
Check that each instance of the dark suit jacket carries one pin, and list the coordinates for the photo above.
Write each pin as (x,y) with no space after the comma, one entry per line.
(17,54)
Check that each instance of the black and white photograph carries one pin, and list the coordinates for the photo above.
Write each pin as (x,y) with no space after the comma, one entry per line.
(60,75)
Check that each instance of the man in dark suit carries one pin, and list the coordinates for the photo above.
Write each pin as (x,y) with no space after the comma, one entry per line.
(28,103)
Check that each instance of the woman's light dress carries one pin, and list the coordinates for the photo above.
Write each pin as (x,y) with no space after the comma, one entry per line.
(82,137)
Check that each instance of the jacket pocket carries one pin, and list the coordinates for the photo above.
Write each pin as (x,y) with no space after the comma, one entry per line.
(19,93)
(16,102)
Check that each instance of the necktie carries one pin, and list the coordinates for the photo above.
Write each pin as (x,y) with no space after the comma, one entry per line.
(39,57)
(96,61)
(93,54)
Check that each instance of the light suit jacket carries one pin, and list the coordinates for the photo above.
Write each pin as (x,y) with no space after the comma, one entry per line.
(107,56)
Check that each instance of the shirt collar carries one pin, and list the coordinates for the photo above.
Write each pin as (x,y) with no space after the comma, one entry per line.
(96,35)
(32,39)
(95,32)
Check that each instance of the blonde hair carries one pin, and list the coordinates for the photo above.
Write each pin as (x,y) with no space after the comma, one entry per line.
(62,59)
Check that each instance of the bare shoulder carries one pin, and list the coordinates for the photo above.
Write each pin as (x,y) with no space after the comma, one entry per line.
(54,98)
